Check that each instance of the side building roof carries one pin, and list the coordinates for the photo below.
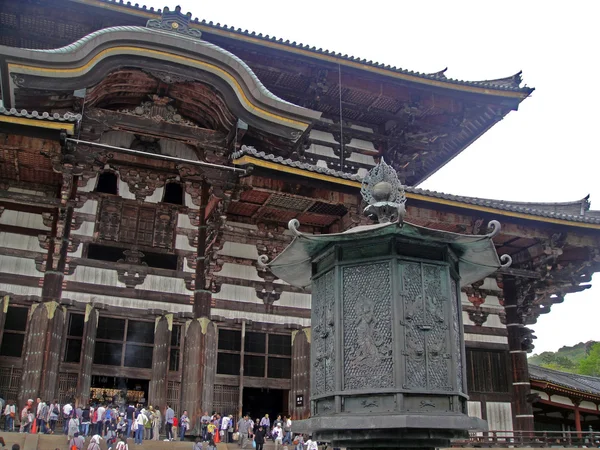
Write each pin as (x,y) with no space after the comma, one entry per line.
(581,383)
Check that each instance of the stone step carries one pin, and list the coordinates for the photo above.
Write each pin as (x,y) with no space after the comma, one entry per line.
(53,442)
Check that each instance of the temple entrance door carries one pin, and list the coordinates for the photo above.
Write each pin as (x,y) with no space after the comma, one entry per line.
(259,401)
(107,388)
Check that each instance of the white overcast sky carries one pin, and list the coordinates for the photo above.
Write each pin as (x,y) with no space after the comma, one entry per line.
(546,151)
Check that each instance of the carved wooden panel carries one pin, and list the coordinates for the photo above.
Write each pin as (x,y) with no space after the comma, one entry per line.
(109,219)
(67,387)
(129,224)
(367,312)
(164,227)
(145,229)
(299,405)
(323,323)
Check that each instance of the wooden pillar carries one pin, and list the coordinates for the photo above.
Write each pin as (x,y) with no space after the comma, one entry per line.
(300,386)
(242,352)
(3,310)
(521,408)
(84,381)
(199,355)
(202,297)
(576,404)
(42,351)
(160,361)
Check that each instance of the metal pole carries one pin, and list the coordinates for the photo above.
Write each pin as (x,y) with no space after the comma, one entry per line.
(156,156)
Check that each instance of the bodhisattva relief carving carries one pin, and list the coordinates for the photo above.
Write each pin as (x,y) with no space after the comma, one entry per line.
(323,323)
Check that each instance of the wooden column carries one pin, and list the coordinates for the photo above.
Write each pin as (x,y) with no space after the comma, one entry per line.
(4,301)
(576,404)
(42,351)
(301,366)
(198,368)
(84,381)
(242,354)
(202,297)
(160,361)
(521,408)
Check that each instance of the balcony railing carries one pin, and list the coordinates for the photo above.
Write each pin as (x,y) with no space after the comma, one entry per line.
(489,439)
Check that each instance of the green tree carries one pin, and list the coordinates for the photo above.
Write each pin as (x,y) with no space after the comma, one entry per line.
(590,365)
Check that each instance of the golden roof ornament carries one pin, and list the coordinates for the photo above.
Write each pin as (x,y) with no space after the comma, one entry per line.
(384,193)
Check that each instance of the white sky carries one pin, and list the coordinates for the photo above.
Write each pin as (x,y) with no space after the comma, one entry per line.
(543,152)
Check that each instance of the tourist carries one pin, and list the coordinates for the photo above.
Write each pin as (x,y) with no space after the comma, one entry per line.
(156,422)
(224,429)
(101,412)
(111,436)
(2,443)
(287,431)
(243,427)
(211,429)
(43,416)
(94,443)
(66,412)
(311,445)
(204,425)
(266,422)
(169,416)
(277,435)
(53,414)
(212,445)
(299,442)
(198,444)
(148,424)
(138,423)
(76,442)
(78,413)
(85,421)
(73,426)
(122,444)
(16,447)
(108,417)
(10,412)
(26,417)
(129,415)
(259,437)
(184,424)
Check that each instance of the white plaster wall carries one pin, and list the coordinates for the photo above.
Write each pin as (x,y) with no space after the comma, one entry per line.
(239,271)
(89,207)
(362,144)
(256,317)
(321,150)
(156,196)
(493,320)
(89,186)
(188,202)
(164,284)
(236,250)
(183,221)
(249,226)
(588,405)
(322,136)
(499,416)
(542,394)
(20,242)
(95,275)
(491,301)
(474,409)
(186,268)
(563,400)
(86,229)
(127,302)
(19,266)
(183,243)
(466,320)
(486,338)
(361,158)
(237,293)
(124,191)
(20,290)
(294,299)
(22,219)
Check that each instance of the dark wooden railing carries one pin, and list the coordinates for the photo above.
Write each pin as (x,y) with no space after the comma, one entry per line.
(489,439)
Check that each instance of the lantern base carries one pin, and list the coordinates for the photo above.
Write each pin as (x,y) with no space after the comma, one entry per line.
(380,432)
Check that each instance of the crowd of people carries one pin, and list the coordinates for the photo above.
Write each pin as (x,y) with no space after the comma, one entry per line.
(116,424)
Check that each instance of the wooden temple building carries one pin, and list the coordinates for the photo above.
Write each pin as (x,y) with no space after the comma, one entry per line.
(148,158)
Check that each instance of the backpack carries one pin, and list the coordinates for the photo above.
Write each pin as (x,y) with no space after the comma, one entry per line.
(95,416)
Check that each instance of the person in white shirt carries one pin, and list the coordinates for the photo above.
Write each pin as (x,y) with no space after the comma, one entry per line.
(9,413)
(67,410)
(100,423)
(224,427)
(278,436)
(311,445)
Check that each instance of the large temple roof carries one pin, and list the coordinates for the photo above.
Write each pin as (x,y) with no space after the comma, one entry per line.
(571,381)
(511,83)
(575,211)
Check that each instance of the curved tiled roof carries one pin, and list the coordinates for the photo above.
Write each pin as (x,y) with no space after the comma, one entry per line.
(67,117)
(581,383)
(577,211)
(503,84)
